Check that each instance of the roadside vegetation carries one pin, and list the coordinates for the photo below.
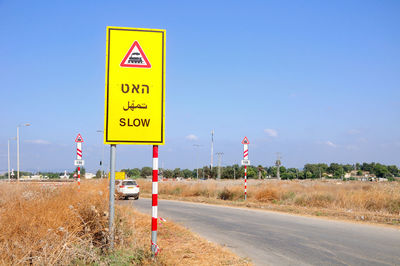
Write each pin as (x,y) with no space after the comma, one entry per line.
(309,171)
(354,200)
(43,224)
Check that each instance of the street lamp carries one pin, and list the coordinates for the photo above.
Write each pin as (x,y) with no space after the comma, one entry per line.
(20,125)
(102,156)
(14,138)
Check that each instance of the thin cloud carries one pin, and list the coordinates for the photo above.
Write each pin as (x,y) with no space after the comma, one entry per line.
(330,144)
(271,132)
(191,137)
(38,141)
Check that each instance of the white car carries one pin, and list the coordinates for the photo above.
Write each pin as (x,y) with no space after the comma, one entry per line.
(126,188)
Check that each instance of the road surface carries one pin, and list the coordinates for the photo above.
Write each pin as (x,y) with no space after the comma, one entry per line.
(271,238)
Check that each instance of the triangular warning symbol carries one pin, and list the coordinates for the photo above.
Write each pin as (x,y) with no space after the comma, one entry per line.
(79,138)
(135,57)
(245,141)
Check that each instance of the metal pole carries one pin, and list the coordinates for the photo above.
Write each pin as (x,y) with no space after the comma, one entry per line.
(102,162)
(245,182)
(102,156)
(154,202)
(219,163)
(212,149)
(9,160)
(18,153)
(27,124)
(112,191)
(278,165)
(197,160)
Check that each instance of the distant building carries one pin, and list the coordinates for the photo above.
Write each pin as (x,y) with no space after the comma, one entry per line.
(36,177)
(64,176)
(89,175)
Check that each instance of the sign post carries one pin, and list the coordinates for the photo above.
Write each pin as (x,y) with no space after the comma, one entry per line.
(135,100)
(79,162)
(154,203)
(245,162)
(113,151)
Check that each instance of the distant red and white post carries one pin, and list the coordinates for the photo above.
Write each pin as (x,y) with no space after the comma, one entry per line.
(154,246)
(79,162)
(245,162)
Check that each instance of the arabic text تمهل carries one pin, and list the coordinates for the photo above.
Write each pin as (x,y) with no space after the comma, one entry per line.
(131,106)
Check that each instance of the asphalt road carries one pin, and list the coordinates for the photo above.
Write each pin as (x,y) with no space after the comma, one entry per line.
(271,238)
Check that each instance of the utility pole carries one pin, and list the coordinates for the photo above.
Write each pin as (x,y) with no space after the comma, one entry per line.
(9,179)
(20,125)
(102,156)
(278,164)
(234,173)
(212,149)
(197,160)
(219,163)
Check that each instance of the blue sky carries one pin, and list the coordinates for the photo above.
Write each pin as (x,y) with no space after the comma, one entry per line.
(317,81)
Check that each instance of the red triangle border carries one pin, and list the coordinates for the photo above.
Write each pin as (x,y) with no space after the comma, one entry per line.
(77,138)
(135,43)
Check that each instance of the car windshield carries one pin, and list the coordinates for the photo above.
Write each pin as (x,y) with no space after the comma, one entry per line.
(129,183)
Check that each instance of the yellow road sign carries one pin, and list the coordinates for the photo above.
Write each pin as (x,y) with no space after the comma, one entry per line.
(118,175)
(135,86)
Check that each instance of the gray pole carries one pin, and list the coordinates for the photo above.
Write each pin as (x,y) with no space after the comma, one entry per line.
(102,162)
(9,160)
(112,191)
(197,160)
(21,125)
(278,173)
(102,155)
(234,173)
(219,163)
(278,165)
(212,149)
(18,153)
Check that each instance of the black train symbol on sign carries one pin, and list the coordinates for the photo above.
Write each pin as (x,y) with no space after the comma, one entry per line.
(135,58)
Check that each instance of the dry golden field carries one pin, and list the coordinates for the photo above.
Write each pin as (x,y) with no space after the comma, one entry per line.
(352,200)
(47,225)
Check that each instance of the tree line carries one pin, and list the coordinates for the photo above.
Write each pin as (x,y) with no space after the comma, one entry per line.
(310,171)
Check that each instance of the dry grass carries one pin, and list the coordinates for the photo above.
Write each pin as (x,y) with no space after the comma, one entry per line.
(376,202)
(50,225)
(61,225)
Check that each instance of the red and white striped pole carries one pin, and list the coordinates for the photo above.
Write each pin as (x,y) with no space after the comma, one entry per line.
(245,182)
(79,157)
(79,177)
(245,162)
(154,246)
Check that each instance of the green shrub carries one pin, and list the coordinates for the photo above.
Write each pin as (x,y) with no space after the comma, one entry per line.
(225,194)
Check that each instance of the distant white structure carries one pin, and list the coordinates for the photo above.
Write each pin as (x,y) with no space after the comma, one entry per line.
(65,176)
(89,175)
(35,177)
